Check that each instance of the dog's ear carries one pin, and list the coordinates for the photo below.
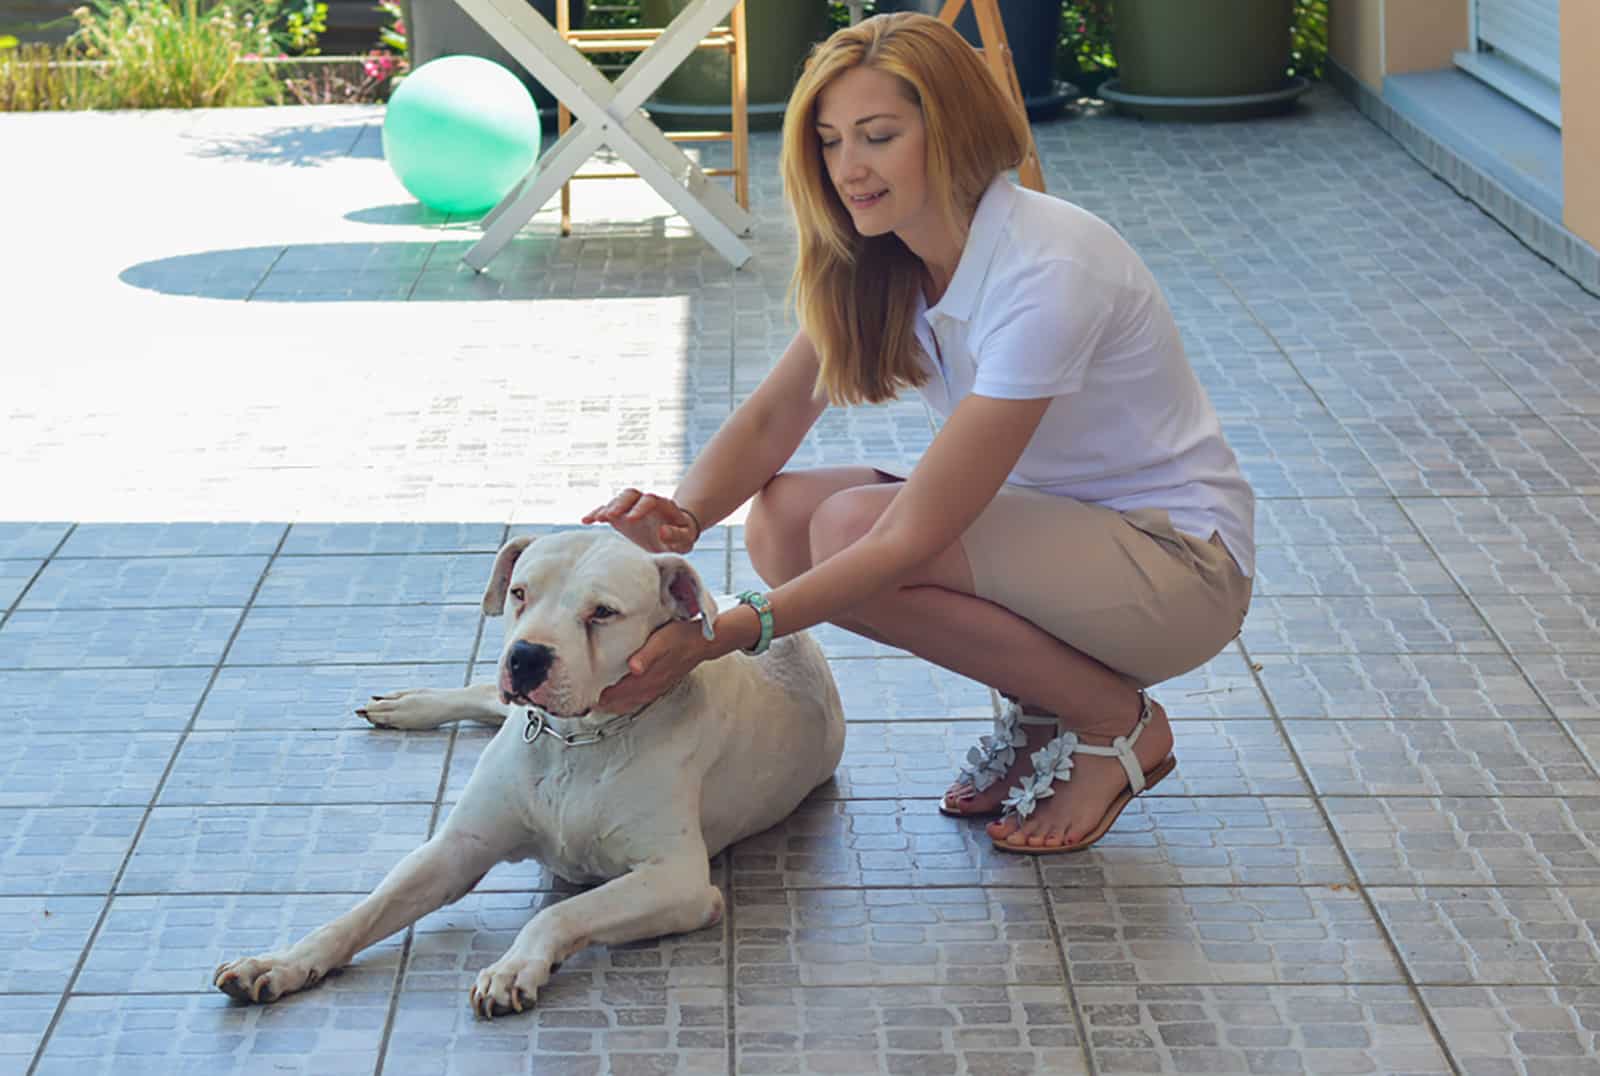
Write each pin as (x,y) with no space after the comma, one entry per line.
(494,597)
(684,592)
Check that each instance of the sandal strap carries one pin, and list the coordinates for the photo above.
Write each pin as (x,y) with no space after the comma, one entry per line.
(1054,763)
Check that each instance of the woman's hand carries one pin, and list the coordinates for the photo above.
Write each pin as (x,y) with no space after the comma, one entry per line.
(649,521)
(669,655)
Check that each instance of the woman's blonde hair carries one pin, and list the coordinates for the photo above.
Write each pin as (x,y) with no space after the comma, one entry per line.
(855,296)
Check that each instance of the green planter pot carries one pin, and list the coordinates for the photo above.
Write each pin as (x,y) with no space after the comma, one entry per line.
(1202,59)
(778,38)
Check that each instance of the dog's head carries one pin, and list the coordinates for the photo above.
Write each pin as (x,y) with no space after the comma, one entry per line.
(578,604)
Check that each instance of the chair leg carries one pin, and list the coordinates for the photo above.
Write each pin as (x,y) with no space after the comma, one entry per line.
(741,109)
(564,118)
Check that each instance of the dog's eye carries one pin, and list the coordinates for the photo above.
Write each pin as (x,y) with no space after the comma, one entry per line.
(519,593)
(602,612)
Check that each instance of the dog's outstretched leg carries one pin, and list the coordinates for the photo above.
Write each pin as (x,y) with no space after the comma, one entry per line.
(439,873)
(428,708)
(669,896)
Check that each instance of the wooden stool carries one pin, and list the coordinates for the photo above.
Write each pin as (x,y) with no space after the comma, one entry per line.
(729,38)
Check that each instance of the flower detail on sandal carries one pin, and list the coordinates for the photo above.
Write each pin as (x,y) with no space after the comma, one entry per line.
(989,760)
(1051,763)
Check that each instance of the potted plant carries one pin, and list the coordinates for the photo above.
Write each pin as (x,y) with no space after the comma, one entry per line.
(778,38)
(1202,59)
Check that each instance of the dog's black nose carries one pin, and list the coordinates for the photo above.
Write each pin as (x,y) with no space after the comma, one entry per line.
(528,664)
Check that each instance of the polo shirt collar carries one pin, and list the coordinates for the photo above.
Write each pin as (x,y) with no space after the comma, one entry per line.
(983,239)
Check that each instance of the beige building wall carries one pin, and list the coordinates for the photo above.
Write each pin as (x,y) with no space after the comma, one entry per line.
(1372,39)
(1580,118)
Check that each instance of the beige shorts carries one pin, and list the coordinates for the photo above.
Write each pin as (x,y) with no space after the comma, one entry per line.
(1126,588)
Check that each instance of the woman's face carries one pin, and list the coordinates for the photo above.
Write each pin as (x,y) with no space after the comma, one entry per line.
(873,145)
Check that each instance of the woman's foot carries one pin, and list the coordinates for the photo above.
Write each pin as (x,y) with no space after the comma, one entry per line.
(964,799)
(1077,807)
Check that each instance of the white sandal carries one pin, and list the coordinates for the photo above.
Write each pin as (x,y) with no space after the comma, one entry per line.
(993,755)
(1053,763)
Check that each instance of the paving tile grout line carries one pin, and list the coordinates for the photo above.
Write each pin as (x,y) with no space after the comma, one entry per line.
(1359,887)
(155,796)
(433,822)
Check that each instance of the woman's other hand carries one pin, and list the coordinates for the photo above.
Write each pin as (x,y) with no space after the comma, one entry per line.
(669,655)
(649,521)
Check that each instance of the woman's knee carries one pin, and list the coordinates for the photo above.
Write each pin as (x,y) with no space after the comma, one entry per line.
(776,530)
(842,519)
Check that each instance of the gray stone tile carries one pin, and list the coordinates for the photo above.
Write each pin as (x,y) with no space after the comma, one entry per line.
(1523,545)
(1553,382)
(316,1034)
(99,701)
(1231,758)
(879,689)
(1497,455)
(1519,1029)
(1302,457)
(1223,840)
(326,538)
(173,539)
(345,848)
(1543,623)
(1222,688)
(323,636)
(1441,758)
(1571,682)
(149,582)
(1200,935)
(1250,385)
(174,943)
(40,941)
(1532,841)
(1517,935)
(306,698)
(1393,568)
(32,540)
(1258,1029)
(1459,686)
(24,1018)
(875,843)
(1377,624)
(356,766)
(15,576)
(385,579)
(1331,521)
(1392,383)
(984,1030)
(883,937)
(631,1025)
(452,945)
(64,850)
(115,638)
(67,769)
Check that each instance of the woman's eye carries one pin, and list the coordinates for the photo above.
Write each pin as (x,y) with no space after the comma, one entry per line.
(879,139)
(830,145)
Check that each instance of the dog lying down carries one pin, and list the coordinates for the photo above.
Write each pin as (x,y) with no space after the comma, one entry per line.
(639,803)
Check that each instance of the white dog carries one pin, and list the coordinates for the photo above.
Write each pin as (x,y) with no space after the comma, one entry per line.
(637,801)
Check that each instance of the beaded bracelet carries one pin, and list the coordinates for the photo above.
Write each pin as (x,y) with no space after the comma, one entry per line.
(763,609)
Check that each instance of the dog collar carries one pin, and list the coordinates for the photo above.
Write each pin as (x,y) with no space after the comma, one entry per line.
(539,725)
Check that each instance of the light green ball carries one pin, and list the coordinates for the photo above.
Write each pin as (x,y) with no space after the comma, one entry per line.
(459,132)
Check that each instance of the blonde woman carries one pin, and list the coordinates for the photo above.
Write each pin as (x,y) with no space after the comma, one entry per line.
(1077,530)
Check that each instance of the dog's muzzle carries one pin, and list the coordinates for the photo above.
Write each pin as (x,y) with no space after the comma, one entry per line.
(527,666)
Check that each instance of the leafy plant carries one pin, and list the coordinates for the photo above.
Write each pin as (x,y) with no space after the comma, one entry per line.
(32,80)
(1308,54)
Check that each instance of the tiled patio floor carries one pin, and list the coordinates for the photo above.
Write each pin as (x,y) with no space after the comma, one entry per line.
(260,435)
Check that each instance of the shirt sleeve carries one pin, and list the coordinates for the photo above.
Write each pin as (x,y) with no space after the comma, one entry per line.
(1053,324)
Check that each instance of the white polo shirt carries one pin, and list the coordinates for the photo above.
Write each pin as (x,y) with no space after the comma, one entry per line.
(1049,301)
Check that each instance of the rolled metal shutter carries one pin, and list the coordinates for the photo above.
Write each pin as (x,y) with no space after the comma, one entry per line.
(1516,48)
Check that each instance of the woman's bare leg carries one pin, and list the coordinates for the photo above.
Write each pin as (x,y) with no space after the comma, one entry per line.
(807,516)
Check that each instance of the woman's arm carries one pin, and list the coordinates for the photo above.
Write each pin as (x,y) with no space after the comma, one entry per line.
(952,484)
(757,439)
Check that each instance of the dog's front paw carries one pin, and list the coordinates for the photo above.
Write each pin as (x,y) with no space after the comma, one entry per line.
(265,978)
(421,708)
(510,984)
